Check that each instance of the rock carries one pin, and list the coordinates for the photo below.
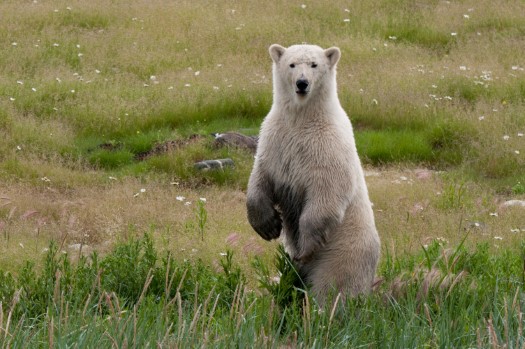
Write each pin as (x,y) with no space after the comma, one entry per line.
(236,140)
(513,203)
(218,164)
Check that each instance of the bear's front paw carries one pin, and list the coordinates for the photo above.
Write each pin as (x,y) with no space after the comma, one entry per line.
(269,229)
(267,223)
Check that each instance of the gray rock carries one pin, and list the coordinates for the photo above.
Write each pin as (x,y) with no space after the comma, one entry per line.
(218,164)
(515,203)
(235,139)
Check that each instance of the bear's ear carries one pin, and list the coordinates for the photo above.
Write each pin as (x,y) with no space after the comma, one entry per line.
(333,54)
(276,52)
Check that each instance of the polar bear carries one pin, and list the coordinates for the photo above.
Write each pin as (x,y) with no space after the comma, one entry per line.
(307,184)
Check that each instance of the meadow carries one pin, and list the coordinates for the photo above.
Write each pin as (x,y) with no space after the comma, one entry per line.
(109,235)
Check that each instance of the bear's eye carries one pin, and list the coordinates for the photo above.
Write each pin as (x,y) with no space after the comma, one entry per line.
(314,65)
(292,65)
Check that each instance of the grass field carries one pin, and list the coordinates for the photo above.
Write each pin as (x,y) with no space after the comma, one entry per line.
(435,91)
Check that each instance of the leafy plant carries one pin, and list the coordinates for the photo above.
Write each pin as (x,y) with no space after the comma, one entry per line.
(518,188)
(287,288)
(202,216)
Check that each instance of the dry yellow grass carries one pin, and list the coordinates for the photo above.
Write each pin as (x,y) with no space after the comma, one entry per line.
(203,52)
(411,210)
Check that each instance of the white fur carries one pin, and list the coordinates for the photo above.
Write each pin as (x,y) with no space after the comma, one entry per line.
(307,151)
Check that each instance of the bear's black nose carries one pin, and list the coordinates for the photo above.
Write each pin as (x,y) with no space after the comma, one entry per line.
(302,85)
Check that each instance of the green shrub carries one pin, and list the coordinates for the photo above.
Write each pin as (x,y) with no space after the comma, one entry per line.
(379,147)
(418,34)
(287,288)
(518,188)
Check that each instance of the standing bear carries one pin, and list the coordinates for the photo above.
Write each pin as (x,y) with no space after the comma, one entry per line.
(307,184)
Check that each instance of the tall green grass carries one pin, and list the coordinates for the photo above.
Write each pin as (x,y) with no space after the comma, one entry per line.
(441,297)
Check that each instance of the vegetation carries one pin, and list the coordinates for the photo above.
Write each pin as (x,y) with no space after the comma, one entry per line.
(133,297)
(105,107)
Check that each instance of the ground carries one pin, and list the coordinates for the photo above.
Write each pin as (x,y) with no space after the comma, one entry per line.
(413,206)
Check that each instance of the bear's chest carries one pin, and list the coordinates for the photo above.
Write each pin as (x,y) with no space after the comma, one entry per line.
(288,157)
(296,155)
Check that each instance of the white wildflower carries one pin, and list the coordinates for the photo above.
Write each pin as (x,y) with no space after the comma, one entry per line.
(506,137)
(498,238)
(180,198)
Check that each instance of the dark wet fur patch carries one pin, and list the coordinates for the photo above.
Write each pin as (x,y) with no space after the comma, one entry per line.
(291,203)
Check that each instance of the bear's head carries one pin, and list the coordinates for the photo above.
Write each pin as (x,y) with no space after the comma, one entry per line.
(301,72)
